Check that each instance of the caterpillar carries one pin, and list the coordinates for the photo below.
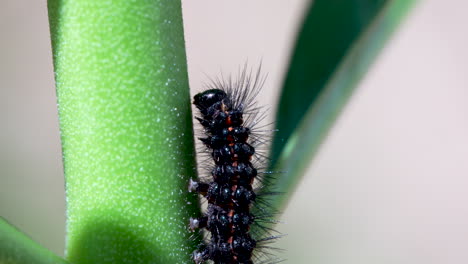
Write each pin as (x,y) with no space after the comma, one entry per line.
(228,115)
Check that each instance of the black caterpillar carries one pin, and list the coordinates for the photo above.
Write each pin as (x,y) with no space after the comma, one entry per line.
(229,192)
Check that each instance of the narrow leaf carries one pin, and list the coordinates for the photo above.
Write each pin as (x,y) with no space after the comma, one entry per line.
(337,45)
(17,248)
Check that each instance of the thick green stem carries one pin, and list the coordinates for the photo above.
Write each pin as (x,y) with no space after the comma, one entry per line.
(126,129)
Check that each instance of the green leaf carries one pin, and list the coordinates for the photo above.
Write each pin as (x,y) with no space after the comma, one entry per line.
(17,248)
(126,130)
(336,46)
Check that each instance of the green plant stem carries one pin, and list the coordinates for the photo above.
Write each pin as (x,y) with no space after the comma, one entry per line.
(17,248)
(126,129)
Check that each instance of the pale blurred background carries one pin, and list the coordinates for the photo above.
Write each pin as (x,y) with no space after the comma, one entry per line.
(390,183)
